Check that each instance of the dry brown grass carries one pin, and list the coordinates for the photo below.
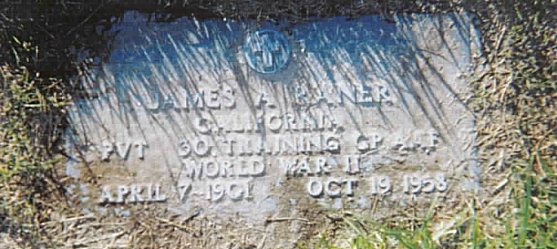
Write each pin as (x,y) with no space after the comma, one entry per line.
(515,104)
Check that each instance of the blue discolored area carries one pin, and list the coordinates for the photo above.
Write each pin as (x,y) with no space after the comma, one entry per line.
(190,44)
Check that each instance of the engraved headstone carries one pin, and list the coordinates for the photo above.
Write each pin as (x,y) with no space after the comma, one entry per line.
(245,123)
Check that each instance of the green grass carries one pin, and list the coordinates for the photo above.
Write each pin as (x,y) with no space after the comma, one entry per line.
(532,224)
(515,100)
(29,118)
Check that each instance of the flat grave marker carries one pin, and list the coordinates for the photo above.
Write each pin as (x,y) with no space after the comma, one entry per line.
(250,120)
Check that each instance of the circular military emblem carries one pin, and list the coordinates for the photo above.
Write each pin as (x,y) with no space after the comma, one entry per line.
(267,51)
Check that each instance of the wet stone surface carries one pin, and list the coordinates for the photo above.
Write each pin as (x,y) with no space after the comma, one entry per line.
(244,123)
